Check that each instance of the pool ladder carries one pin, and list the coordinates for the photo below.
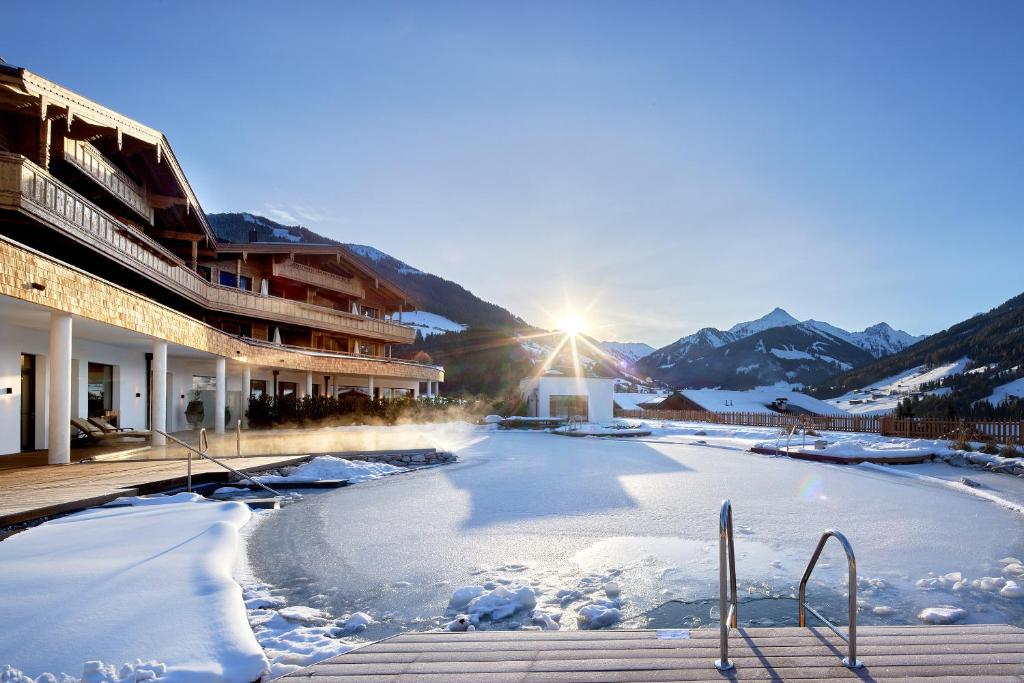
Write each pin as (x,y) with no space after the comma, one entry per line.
(727,600)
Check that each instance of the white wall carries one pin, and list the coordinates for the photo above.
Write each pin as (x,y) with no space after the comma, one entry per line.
(599,393)
(129,378)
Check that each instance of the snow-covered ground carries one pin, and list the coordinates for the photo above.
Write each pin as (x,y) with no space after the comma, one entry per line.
(883,397)
(149,581)
(430,323)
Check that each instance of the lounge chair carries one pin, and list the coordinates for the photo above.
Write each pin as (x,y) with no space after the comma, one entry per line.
(94,434)
(108,428)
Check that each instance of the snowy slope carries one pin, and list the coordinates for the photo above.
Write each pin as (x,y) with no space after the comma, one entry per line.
(1014,389)
(883,396)
(631,351)
(430,323)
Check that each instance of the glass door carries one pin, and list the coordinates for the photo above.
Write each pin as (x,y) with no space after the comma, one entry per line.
(28,402)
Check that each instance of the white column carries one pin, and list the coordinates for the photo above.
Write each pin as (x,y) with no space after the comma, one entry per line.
(309,382)
(437,389)
(158,397)
(221,396)
(416,390)
(59,425)
(371,386)
(246,393)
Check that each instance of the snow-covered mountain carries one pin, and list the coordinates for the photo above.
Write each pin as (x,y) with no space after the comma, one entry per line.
(878,340)
(430,323)
(776,347)
(775,318)
(628,351)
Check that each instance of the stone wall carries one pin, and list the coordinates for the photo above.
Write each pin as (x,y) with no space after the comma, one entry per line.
(405,458)
(71,290)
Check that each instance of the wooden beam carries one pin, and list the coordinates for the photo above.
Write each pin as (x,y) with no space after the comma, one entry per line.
(44,134)
(195,254)
(177,235)
(160,201)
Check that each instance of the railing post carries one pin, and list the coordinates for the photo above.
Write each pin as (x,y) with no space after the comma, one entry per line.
(727,617)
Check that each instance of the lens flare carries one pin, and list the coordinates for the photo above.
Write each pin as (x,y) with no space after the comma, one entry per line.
(812,489)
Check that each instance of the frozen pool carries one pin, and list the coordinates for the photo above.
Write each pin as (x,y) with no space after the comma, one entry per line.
(567,516)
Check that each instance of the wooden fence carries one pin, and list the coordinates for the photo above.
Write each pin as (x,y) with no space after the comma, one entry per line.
(1001,431)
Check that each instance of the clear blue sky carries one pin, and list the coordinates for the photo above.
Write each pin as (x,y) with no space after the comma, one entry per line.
(677,164)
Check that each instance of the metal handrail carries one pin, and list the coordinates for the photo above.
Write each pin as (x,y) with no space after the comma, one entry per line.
(726,555)
(204,441)
(850,660)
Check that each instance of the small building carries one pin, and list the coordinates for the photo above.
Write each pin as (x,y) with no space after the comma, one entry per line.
(557,395)
(674,401)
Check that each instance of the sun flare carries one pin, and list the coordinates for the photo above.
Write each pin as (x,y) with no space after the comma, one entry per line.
(572,325)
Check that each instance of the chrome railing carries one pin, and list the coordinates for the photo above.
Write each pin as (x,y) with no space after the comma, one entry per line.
(850,660)
(726,585)
(204,445)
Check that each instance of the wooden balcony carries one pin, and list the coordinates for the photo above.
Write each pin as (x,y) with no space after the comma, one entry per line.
(27,188)
(92,163)
(318,278)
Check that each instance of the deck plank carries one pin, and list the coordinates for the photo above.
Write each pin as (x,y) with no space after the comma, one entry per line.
(926,653)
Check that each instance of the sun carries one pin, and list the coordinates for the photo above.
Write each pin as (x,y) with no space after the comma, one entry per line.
(572,325)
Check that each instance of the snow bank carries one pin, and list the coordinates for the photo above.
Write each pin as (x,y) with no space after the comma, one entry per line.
(329,467)
(955,485)
(94,672)
(150,580)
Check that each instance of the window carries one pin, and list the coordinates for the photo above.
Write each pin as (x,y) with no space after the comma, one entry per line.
(257,387)
(204,383)
(395,393)
(101,389)
(369,312)
(228,279)
(316,389)
(205,272)
(424,387)
(245,283)
(367,349)
(568,406)
(287,388)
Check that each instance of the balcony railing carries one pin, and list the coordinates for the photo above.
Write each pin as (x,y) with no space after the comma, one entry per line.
(318,278)
(27,187)
(92,163)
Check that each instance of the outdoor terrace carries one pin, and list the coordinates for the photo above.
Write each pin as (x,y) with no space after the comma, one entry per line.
(27,188)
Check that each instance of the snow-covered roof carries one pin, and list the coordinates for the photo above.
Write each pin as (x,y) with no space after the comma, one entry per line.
(756,400)
(632,400)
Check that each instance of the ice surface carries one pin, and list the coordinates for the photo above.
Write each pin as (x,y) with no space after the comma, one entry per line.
(564,517)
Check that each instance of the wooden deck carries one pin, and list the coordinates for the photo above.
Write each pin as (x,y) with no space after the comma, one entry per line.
(965,653)
(32,492)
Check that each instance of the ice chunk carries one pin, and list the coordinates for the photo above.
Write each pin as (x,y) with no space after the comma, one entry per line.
(597,615)
(355,623)
(462,596)
(942,614)
(1012,589)
(303,615)
(882,610)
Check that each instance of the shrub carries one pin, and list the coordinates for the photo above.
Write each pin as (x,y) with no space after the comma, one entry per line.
(1009,451)
(990,447)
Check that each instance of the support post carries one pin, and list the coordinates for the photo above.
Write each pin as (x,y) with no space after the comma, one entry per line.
(371,386)
(59,426)
(221,396)
(246,394)
(158,398)
(309,382)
